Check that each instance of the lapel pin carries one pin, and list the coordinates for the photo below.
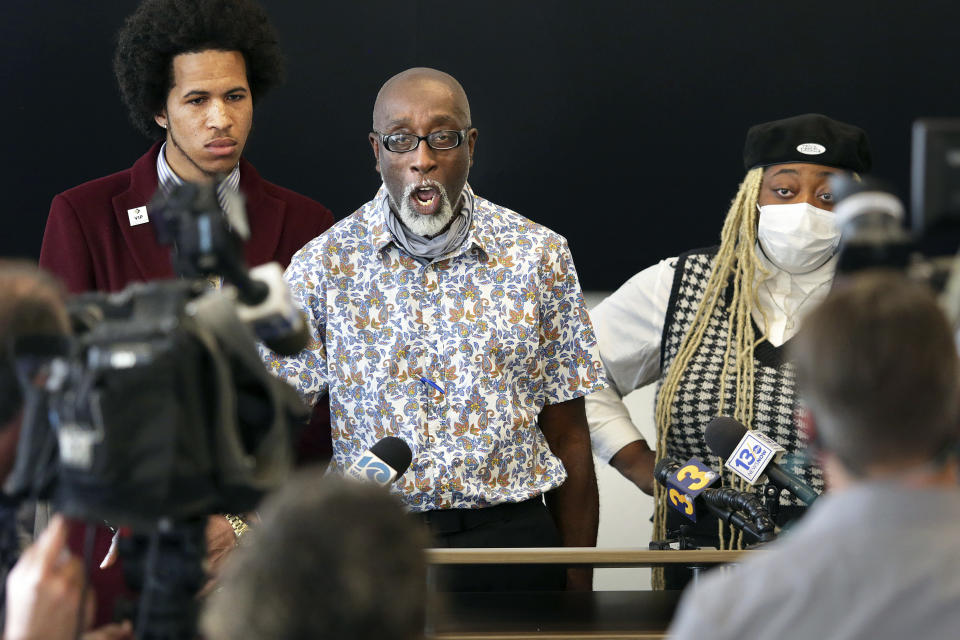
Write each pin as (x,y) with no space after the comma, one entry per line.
(138,216)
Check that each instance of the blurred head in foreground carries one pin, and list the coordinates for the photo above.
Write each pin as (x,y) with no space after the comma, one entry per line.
(331,559)
(878,372)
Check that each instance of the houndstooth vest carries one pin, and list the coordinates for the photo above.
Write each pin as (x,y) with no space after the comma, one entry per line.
(697,398)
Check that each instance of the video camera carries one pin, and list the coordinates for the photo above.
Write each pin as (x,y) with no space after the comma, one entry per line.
(159,411)
(873,220)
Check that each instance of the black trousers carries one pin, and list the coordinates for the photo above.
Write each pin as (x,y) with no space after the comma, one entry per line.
(520,524)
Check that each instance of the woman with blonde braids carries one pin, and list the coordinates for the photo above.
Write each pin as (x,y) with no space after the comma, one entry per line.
(711,325)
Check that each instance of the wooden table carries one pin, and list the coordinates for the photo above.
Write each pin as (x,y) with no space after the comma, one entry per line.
(598,615)
(582,555)
(552,614)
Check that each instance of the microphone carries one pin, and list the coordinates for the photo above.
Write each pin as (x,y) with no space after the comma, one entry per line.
(870,219)
(190,219)
(724,503)
(750,453)
(270,311)
(382,463)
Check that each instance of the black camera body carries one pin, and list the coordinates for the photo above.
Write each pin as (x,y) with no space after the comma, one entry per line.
(163,409)
(159,407)
(159,412)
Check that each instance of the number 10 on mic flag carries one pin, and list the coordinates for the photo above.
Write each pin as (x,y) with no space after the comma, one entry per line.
(691,479)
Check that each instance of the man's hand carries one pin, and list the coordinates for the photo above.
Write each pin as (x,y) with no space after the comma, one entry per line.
(44,587)
(635,462)
(116,631)
(113,552)
(221,540)
(575,504)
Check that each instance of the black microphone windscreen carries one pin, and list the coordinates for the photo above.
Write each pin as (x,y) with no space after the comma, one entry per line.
(663,469)
(290,343)
(395,452)
(722,435)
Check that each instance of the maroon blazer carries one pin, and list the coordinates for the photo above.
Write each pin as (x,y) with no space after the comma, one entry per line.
(90,244)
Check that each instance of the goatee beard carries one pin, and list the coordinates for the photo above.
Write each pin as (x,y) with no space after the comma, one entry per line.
(427,226)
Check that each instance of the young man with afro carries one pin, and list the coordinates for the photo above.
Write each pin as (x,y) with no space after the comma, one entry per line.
(189,72)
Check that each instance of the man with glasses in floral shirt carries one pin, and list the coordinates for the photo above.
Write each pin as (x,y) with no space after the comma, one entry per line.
(460,327)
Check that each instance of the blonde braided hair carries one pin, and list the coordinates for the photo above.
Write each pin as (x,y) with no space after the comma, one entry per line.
(736,262)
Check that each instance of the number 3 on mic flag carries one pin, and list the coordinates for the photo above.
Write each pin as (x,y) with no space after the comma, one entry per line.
(690,480)
(370,468)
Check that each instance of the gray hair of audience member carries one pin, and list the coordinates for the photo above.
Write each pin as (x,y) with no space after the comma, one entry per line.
(331,558)
(877,367)
(31,303)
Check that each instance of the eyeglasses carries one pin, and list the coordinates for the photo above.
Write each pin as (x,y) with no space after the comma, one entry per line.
(439,140)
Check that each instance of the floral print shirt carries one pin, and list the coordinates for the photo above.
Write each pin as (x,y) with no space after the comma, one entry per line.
(457,357)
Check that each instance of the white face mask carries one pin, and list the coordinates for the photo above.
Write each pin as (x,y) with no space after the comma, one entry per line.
(797,237)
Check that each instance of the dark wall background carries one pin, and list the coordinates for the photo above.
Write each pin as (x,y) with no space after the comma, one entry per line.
(619,124)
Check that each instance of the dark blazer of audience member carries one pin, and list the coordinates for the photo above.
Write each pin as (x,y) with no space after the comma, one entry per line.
(44,590)
(31,302)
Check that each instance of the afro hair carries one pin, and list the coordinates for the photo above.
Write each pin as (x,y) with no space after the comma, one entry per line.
(160,30)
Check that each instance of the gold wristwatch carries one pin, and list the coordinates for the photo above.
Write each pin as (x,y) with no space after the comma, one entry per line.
(240,526)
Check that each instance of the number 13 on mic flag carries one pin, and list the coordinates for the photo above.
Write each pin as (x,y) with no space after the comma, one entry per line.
(753,453)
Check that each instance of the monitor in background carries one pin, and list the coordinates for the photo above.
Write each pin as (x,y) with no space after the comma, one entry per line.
(935,184)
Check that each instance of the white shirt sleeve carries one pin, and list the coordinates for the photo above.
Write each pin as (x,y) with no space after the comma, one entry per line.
(629,327)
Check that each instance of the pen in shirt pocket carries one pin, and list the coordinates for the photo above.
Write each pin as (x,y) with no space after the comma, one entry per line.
(429,382)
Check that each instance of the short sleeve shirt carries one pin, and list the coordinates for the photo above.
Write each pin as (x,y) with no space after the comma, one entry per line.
(457,356)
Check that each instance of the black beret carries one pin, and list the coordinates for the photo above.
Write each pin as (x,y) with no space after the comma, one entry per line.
(812,138)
